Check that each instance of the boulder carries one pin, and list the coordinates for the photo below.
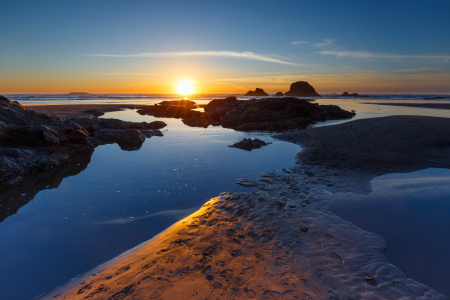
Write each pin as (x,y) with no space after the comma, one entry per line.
(257,92)
(249,144)
(302,89)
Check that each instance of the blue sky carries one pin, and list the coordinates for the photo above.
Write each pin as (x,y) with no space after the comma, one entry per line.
(224,46)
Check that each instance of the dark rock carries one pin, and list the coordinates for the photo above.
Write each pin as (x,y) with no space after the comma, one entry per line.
(257,92)
(370,280)
(279,114)
(302,89)
(279,94)
(267,114)
(178,109)
(345,94)
(95,112)
(32,142)
(219,107)
(304,228)
(249,144)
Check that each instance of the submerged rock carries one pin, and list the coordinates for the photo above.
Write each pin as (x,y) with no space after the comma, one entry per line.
(249,144)
(257,92)
(302,89)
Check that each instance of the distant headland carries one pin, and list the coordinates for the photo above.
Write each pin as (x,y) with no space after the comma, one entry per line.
(78,93)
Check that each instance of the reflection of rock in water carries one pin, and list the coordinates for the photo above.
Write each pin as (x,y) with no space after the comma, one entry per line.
(13,198)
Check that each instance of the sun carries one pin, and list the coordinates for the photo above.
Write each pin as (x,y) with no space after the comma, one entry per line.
(185,87)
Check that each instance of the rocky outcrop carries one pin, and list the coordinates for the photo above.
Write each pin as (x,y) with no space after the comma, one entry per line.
(257,92)
(219,107)
(182,109)
(267,114)
(31,142)
(249,144)
(279,114)
(302,89)
(279,94)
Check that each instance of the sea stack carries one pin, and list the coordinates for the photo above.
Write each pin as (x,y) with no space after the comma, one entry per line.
(302,89)
(279,94)
(257,92)
(346,94)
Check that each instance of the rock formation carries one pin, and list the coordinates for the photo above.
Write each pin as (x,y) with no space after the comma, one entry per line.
(257,92)
(279,94)
(249,144)
(177,109)
(128,135)
(278,114)
(31,142)
(302,89)
(267,114)
(346,94)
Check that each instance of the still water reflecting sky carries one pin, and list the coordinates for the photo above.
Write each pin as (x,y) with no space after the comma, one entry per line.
(412,213)
(124,198)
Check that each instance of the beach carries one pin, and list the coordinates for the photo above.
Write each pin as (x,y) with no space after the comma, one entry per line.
(281,241)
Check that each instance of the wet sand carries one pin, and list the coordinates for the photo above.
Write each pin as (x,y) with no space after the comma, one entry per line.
(70,111)
(281,242)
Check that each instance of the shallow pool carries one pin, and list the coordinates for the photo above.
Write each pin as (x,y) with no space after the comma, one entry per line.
(118,199)
(412,213)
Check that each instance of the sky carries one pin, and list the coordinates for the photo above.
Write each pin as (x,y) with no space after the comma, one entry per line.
(228,46)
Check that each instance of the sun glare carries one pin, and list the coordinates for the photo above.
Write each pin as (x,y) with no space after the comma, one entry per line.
(185,87)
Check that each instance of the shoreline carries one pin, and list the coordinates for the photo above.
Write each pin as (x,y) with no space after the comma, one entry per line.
(282,241)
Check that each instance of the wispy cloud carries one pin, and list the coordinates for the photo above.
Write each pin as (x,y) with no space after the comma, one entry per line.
(174,213)
(300,43)
(365,54)
(244,55)
(325,43)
